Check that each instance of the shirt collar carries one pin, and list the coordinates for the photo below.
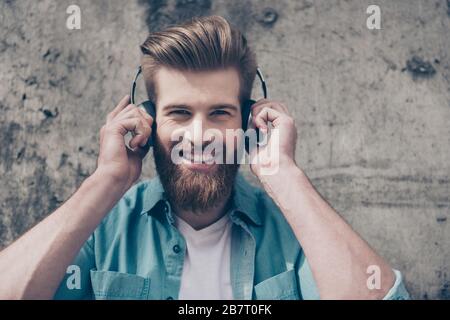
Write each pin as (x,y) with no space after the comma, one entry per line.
(244,198)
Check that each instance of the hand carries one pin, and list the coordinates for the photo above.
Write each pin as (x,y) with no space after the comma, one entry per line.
(115,159)
(280,147)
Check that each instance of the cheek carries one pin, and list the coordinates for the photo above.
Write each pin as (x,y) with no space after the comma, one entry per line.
(235,138)
(166,129)
(235,135)
(170,132)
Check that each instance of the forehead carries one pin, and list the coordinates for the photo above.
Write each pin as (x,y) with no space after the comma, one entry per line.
(196,88)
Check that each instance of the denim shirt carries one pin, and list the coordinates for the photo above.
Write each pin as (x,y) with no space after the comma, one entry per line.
(137,252)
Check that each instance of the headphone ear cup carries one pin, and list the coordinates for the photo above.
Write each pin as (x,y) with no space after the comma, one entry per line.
(246,116)
(151,110)
(246,112)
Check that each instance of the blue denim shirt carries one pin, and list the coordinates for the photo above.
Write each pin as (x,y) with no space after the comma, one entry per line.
(137,252)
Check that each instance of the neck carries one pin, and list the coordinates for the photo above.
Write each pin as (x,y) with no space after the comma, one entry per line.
(203,219)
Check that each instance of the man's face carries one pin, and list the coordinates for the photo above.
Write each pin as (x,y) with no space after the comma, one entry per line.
(190,104)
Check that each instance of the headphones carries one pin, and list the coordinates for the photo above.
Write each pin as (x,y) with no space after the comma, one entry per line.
(150,108)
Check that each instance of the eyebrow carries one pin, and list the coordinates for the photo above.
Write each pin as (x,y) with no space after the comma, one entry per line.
(224,106)
(175,106)
(214,106)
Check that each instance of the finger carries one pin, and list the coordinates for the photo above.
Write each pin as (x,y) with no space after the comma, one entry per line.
(264,116)
(264,101)
(271,104)
(131,111)
(141,134)
(133,125)
(259,102)
(148,118)
(141,152)
(120,106)
(112,117)
(277,105)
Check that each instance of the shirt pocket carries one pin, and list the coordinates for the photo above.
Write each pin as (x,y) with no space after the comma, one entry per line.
(119,286)
(283,286)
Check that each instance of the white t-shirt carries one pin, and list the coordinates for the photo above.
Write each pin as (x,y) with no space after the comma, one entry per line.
(206,269)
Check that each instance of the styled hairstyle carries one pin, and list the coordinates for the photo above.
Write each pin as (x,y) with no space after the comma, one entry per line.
(202,44)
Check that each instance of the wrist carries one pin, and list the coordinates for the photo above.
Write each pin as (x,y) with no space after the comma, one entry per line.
(286,169)
(100,177)
(281,184)
(95,197)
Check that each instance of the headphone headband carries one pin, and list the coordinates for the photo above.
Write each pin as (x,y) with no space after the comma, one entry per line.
(139,71)
(263,82)
(133,86)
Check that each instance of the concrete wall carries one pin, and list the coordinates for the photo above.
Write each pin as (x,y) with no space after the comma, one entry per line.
(374,133)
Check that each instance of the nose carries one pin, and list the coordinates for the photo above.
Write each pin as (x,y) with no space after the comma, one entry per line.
(193,134)
(197,133)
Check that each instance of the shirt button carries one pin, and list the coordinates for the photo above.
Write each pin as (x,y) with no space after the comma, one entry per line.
(169,298)
(176,248)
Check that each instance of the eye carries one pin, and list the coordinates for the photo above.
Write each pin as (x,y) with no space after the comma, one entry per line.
(180,112)
(220,112)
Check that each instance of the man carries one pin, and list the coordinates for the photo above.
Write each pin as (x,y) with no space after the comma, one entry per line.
(198,230)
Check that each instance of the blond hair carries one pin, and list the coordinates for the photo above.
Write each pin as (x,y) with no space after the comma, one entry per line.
(205,43)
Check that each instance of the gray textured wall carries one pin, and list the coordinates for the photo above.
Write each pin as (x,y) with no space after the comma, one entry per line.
(374,132)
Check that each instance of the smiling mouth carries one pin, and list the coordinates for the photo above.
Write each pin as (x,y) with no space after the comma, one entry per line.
(206,159)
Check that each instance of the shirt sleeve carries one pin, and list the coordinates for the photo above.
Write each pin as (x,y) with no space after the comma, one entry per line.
(306,282)
(309,291)
(398,290)
(76,284)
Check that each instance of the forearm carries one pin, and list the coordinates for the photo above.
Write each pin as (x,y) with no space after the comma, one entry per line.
(33,266)
(338,257)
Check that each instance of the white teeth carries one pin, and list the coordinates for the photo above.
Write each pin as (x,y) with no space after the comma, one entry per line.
(208,159)
(187,156)
(199,158)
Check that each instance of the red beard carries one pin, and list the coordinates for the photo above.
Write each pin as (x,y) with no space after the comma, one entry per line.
(189,190)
